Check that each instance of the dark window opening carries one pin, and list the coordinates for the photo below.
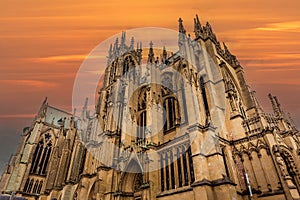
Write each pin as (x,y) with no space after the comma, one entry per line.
(204,96)
(169,115)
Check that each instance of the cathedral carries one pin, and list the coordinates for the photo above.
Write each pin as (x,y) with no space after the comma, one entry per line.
(186,125)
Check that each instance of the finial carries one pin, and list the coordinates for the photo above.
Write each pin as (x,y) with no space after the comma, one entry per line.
(274,106)
(208,25)
(151,53)
(278,105)
(181,28)
(110,50)
(45,101)
(117,43)
(197,26)
(165,54)
(226,48)
(123,38)
(151,44)
(197,19)
(132,43)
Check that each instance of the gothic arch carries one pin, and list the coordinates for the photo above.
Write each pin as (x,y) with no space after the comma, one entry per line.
(228,75)
(41,155)
(128,65)
(287,166)
(142,98)
(130,176)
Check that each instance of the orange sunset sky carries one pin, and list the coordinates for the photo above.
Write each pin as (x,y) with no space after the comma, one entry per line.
(42,44)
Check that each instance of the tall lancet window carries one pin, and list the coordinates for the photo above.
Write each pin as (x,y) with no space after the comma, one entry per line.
(142,123)
(41,156)
(204,96)
(113,71)
(142,116)
(127,65)
(169,116)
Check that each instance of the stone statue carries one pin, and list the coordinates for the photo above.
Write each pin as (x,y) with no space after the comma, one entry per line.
(281,165)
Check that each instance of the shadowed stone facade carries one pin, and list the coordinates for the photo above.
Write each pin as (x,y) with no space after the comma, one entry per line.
(185,126)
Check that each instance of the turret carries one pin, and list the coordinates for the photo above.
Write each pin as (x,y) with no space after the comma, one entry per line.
(132,44)
(164,55)
(151,53)
(275,105)
(85,109)
(197,27)
(123,38)
(181,28)
(182,38)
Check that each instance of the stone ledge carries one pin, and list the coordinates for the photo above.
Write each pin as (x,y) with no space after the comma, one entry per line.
(214,183)
(174,191)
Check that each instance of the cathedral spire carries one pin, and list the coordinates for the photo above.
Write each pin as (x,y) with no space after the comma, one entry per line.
(181,27)
(227,52)
(209,32)
(151,53)
(43,108)
(132,43)
(116,46)
(110,51)
(164,55)
(123,38)
(45,101)
(197,26)
(85,108)
(275,105)
(278,105)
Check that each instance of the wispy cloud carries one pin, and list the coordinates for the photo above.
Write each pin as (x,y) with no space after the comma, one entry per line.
(292,26)
(60,58)
(32,83)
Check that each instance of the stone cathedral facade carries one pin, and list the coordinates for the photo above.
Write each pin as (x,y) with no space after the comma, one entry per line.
(185,126)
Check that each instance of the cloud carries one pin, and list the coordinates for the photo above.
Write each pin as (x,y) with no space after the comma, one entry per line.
(31,83)
(60,58)
(292,26)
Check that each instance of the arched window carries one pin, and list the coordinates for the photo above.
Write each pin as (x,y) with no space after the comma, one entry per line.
(204,96)
(179,159)
(30,186)
(191,166)
(35,187)
(41,156)
(162,175)
(172,170)
(36,157)
(113,70)
(45,159)
(167,172)
(26,185)
(127,65)
(40,187)
(179,167)
(142,116)
(169,115)
(185,167)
